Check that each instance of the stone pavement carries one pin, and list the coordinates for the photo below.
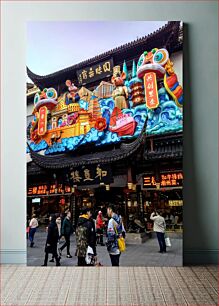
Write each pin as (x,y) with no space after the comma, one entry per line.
(108,286)
(145,254)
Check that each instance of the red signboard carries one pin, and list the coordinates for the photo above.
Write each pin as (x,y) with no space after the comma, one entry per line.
(151,95)
(173,179)
(42,124)
(49,189)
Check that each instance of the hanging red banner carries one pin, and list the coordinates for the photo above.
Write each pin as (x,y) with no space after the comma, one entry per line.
(42,123)
(150,87)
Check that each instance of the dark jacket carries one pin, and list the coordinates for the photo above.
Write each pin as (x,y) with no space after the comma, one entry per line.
(91,233)
(52,237)
(67,227)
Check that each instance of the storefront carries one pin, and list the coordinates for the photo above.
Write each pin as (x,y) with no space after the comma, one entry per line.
(116,138)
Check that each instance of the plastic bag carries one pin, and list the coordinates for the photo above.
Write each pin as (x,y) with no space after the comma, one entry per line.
(167,241)
(89,255)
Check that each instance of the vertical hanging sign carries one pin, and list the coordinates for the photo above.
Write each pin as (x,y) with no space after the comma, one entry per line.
(42,124)
(150,87)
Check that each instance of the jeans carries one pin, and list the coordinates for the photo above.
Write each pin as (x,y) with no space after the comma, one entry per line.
(161,241)
(81,262)
(66,244)
(31,234)
(115,260)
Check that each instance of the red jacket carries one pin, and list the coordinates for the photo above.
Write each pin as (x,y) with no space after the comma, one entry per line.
(99,222)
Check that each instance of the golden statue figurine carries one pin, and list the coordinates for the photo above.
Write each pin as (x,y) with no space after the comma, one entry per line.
(120,93)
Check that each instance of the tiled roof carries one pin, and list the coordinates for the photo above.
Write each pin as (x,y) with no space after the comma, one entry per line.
(169,32)
(166,148)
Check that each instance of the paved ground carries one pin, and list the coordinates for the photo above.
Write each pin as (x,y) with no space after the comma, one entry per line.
(108,286)
(145,254)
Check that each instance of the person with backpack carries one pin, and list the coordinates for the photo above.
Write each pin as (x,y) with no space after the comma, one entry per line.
(85,236)
(51,241)
(67,231)
(114,231)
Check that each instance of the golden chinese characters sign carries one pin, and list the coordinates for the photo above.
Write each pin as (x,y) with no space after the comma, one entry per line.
(173,179)
(91,175)
(151,95)
(42,124)
(175,202)
(95,72)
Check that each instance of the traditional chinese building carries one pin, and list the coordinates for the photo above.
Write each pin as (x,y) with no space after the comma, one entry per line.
(83,160)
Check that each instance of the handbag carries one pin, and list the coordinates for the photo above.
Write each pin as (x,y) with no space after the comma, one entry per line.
(89,256)
(167,241)
(121,242)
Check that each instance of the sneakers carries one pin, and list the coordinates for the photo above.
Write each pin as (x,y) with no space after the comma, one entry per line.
(69,256)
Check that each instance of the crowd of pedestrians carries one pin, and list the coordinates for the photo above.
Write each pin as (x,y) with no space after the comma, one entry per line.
(89,232)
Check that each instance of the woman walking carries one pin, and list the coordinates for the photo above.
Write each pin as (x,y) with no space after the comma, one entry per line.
(32,229)
(51,241)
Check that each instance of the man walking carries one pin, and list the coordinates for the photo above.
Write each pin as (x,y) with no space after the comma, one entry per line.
(85,236)
(114,230)
(67,231)
(159,228)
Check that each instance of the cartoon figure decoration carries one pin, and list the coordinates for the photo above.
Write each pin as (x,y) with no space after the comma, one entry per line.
(156,65)
(47,98)
(72,96)
(120,93)
(44,102)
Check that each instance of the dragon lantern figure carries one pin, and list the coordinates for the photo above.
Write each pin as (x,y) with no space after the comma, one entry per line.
(156,65)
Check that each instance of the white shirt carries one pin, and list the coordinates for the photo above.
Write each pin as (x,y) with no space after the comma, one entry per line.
(159,223)
(33,223)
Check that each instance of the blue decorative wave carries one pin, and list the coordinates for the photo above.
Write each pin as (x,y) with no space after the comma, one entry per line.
(166,118)
(42,145)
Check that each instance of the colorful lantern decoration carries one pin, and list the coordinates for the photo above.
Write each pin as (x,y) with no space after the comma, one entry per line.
(157,62)
(136,86)
(94,107)
(109,114)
